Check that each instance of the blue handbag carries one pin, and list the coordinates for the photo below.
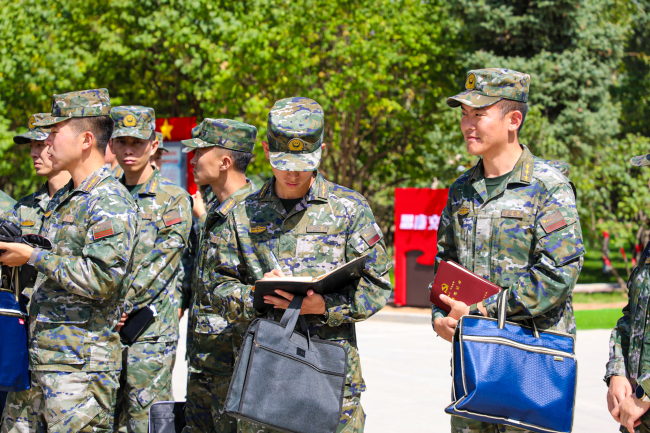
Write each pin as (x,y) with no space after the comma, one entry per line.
(506,373)
(14,359)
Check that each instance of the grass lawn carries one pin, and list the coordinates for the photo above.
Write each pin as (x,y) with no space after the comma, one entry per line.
(599,298)
(592,270)
(597,319)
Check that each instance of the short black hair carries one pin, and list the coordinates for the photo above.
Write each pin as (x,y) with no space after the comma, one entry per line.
(101,127)
(508,105)
(240,159)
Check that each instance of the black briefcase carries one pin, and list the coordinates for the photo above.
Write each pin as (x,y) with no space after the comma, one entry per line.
(167,417)
(286,380)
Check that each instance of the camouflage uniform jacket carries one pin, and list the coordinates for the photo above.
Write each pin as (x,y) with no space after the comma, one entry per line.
(628,354)
(6,204)
(166,218)
(82,282)
(29,214)
(212,344)
(330,226)
(525,238)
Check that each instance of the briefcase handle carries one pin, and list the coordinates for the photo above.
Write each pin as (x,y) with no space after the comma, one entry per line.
(502,304)
(15,278)
(292,316)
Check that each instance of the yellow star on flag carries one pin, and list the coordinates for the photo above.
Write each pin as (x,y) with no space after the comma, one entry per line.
(166,130)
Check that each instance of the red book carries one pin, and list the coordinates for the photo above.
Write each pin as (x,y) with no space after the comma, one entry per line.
(460,284)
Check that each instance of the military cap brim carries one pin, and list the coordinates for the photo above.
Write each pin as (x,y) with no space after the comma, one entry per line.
(287,161)
(143,134)
(49,121)
(473,99)
(641,160)
(195,143)
(30,136)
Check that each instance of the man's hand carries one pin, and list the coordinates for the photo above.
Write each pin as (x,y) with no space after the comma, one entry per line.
(458,308)
(121,322)
(15,254)
(313,303)
(198,207)
(445,327)
(629,412)
(619,389)
(181,313)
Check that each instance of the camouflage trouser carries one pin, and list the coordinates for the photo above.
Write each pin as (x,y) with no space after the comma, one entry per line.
(352,420)
(206,395)
(466,425)
(146,378)
(63,402)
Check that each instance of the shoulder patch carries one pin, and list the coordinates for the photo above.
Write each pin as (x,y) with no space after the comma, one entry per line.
(27,223)
(172,217)
(322,191)
(147,216)
(371,234)
(553,222)
(258,229)
(68,219)
(264,189)
(103,230)
(527,172)
(319,228)
(512,214)
(227,206)
(92,182)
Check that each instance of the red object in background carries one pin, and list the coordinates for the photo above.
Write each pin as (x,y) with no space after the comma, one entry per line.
(177,129)
(417,215)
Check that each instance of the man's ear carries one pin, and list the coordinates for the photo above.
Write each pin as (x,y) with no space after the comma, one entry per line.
(154,146)
(515,119)
(226,162)
(87,138)
(265,146)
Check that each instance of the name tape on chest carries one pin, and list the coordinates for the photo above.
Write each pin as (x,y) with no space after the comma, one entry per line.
(147,216)
(512,214)
(317,228)
(68,219)
(172,217)
(371,234)
(27,223)
(103,230)
(258,229)
(554,221)
(214,239)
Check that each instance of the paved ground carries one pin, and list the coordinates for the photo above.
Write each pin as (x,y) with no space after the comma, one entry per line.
(406,368)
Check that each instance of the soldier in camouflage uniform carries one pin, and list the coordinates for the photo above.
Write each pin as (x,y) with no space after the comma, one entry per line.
(629,364)
(6,204)
(156,158)
(30,211)
(511,219)
(74,349)
(166,214)
(222,150)
(308,226)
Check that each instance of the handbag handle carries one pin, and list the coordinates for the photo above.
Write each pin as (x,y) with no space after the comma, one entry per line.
(291,316)
(13,280)
(502,304)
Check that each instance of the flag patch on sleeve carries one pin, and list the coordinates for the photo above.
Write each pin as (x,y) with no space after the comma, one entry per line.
(554,221)
(172,217)
(371,234)
(103,230)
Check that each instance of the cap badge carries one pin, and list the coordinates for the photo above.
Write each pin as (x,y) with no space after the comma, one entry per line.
(129,120)
(471,82)
(296,145)
(31,122)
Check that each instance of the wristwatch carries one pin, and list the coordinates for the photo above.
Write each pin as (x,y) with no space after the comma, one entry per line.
(640,394)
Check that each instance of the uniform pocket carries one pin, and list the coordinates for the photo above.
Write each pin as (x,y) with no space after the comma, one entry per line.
(512,244)
(60,334)
(78,417)
(319,254)
(212,324)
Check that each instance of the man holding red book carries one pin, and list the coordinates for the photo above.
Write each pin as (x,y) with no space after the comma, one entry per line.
(511,219)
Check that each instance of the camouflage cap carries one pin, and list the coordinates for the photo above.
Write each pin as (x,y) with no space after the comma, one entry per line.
(133,121)
(641,160)
(159,137)
(84,103)
(34,133)
(226,133)
(485,87)
(295,134)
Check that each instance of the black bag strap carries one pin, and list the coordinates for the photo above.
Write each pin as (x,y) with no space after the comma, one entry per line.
(292,316)
(502,305)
